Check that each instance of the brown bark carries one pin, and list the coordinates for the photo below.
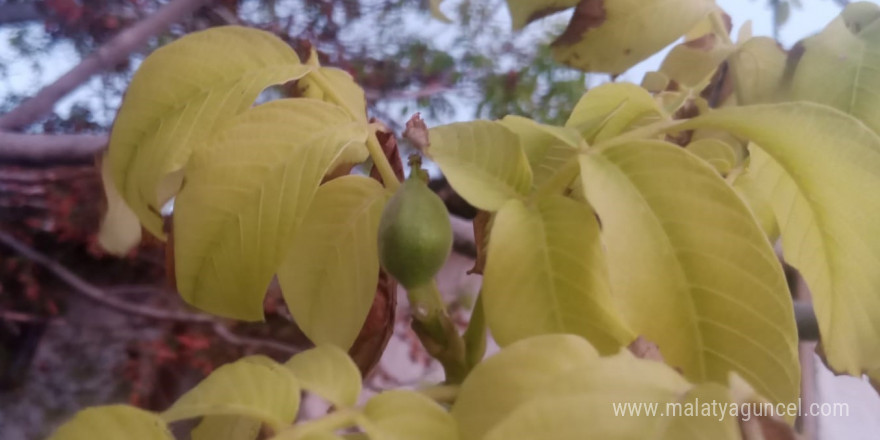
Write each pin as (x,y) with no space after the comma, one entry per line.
(106,57)
(50,148)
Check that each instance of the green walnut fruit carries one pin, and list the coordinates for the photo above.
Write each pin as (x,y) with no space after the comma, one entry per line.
(415,236)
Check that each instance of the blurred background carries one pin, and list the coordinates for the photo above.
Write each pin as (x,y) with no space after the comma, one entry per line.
(79,327)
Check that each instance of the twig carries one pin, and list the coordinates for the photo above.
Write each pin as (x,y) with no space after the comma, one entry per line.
(106,57)
(100,296)
(12,315)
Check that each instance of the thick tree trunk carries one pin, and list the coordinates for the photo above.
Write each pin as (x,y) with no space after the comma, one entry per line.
(106,57)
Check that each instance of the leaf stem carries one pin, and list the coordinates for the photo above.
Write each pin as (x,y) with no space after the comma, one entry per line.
(379,160)
(437,332)
(645,132)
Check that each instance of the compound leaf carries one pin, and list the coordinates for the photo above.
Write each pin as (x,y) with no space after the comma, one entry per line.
(178,97)
(254,387)
(329,372)
(329,275)
(817,169)
(611,36)
(691,269)
(113,422)
(838,66)
(402,415)
(483,161)
(246,193)
(608,110)
(545,273)
(547,148)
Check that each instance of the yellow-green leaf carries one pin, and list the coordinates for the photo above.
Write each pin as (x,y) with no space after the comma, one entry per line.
(327,371)
(253,387)
(120,227)
(693,63)
(178,97)
(613,35)
(330,273)
(547,148)
(655,82)
(607,110)
(404,415)
(335,86)
(545,273)
(523,12)
(751,192)
(483,161)
(515,375)
(716,152)
(226,427)
(246,193)
(113,422)
(758,67)
(556,387)
(690,267)
(839,65)
(818,174)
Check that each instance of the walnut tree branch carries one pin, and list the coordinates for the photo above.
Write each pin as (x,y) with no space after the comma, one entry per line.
(106,57)
(99,296)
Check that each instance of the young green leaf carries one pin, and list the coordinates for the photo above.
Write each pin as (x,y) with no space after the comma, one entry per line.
(247,192)
(611,36)
(517,374)
(254,387)
(556,387)
(610,109)
(816,170)
(547,148)
(715,152)
(545,273)
(693,62)
(483,161)
(178,97)
(690,267)
(120,227)
(335,86)
(751,192)
(226,427)
(836,67)
(327,371)
(113,422)
(758,67)
(329,275)
(401,414)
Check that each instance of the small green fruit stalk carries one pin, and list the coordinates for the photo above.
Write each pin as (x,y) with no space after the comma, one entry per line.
(415,240)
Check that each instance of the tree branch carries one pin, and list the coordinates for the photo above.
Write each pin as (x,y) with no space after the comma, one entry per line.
(99,296)
(106,57)
(50,147)
(19,12)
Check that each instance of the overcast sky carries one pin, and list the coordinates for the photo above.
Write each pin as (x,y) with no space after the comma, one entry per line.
(23,79)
